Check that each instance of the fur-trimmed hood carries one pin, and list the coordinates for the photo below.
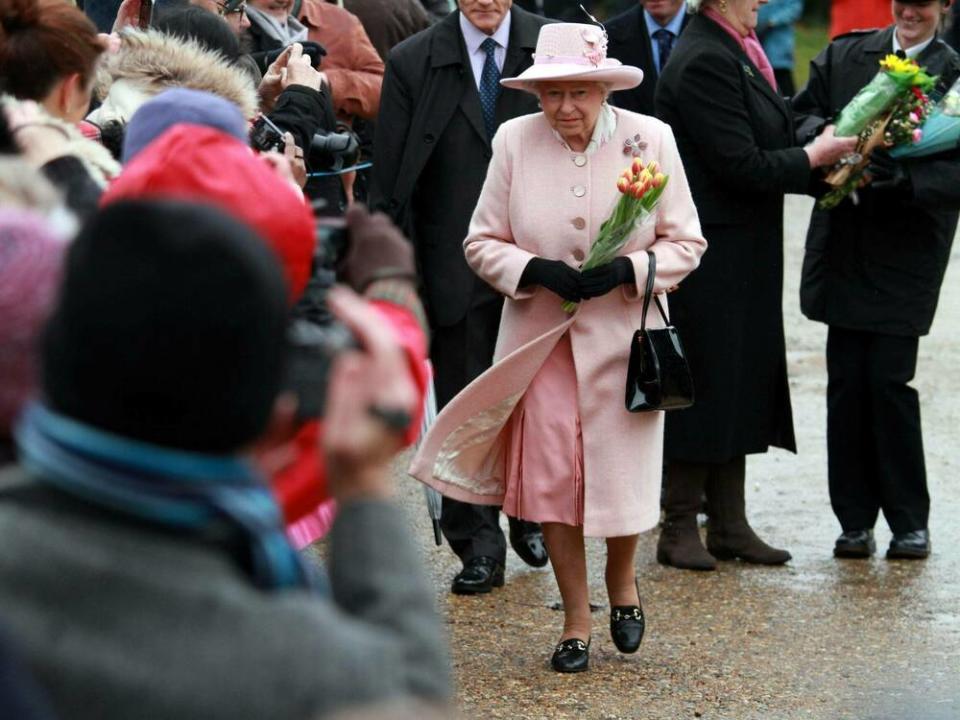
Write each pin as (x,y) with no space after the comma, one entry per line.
(149,62)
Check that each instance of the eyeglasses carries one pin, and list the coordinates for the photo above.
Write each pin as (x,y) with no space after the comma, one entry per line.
(226,9)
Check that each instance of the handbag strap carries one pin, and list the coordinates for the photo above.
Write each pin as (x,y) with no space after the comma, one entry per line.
(648,292)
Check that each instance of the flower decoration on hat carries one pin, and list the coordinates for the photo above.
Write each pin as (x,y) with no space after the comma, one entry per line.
(595,45)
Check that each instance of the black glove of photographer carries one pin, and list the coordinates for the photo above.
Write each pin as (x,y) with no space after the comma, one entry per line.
(554,275)
(887,173)
(601,280)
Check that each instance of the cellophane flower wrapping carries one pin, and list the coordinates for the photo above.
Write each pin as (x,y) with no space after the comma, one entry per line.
(887,112)
(941,131)
(896,77)
(640,187)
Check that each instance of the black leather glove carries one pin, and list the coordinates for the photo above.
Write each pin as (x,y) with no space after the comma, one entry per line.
(554,275)
(887,173)
(601,280)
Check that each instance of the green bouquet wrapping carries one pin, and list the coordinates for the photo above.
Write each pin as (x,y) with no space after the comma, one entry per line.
(886,113)
(896,77)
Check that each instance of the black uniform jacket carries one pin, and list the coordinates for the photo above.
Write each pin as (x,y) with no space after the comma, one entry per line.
(877,266)
(736,138)
(630,43)
(431,152)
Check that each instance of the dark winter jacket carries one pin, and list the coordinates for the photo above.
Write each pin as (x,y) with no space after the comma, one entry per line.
(432,151)
(388,22)
(736,138)
(630,44)
(877,265)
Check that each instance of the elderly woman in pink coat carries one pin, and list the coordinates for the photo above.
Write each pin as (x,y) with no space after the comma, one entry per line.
(545,432)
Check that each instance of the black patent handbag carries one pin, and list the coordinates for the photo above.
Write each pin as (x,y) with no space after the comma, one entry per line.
(658,375)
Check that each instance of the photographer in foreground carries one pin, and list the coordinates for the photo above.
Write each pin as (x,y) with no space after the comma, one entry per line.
(183,144)
(143,565)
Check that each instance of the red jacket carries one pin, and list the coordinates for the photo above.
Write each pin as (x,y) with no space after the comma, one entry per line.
(352,66)
(847,15)
(301,486)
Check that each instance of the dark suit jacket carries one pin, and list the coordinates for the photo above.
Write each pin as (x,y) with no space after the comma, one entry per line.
(431,152)
(736,138)
(878,265)
(630,43)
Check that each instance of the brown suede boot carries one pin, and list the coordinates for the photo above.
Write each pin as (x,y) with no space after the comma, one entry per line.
(729,535)
(679,544)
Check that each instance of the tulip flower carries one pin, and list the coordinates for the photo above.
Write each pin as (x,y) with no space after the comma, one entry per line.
(641,187)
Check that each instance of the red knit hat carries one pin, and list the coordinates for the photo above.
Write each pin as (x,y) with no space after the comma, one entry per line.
(201,164)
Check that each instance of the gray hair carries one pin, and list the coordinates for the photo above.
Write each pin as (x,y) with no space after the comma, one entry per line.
(694,5)
(534,86)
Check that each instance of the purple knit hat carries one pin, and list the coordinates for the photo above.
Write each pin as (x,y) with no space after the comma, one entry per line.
(30,260)
(181,105)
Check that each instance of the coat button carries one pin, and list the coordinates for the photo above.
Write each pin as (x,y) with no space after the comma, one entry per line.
(579,190)
(579,223)
(428,138)
(578,255)
(579,160)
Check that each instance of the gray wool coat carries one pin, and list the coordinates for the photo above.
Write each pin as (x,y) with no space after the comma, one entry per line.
(119,620)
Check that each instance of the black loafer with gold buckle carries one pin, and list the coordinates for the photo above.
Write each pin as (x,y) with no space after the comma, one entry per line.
(626,627)
(571,656)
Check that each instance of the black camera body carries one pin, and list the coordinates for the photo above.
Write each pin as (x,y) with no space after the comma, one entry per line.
(266,137)
(314,336)
(311,351)
(328,152)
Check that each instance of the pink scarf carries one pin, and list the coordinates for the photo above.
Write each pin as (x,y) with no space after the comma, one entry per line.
(750,45)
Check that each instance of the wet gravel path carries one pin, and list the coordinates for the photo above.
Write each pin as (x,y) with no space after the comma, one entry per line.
(818,638)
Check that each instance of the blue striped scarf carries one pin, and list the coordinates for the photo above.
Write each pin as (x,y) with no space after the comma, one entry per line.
(169,487)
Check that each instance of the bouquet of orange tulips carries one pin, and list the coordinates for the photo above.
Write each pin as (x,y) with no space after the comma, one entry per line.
(640,187)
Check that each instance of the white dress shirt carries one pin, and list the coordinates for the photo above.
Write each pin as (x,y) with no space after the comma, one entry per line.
(474,38)
(915,50)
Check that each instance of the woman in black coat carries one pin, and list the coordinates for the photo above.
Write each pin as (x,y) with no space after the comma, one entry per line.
(872,272)
(736,138)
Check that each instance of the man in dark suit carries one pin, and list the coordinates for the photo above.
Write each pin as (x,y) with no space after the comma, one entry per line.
(644,36)
(440,107)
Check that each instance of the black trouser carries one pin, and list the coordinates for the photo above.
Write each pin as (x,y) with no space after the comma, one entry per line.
(874,440)
(460,353)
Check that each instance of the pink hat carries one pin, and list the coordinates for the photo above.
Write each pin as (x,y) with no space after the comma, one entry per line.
(574,51)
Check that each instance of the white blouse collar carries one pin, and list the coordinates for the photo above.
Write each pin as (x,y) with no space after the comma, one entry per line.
(602,131)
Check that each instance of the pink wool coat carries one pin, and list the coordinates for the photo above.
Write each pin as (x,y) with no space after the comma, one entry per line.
(540,199)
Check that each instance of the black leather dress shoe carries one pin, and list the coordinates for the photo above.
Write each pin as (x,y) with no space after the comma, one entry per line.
(855,544)
(571,656)
(914,545)
(626,627)
(479,575)
(526,539)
